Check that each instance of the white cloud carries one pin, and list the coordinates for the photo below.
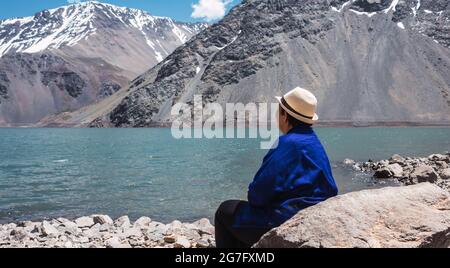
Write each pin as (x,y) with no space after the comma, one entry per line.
(210,9)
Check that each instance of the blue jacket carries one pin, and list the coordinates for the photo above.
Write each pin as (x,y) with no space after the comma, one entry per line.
(295,175)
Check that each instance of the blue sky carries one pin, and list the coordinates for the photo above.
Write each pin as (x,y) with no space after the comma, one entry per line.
(182,10)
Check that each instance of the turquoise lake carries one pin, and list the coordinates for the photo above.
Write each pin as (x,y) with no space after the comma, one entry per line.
(48,173)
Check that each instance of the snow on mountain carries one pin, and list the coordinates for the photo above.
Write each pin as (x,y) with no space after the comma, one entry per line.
(68,25)
(62,59)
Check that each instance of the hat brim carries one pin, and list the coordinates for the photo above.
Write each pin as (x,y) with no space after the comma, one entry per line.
(298,117)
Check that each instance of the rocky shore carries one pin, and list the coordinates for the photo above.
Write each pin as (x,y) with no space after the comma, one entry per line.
(409,216)
(409,170)
(100,231)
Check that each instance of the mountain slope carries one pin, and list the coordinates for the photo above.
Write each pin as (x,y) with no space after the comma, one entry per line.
(366,60)
(104,46)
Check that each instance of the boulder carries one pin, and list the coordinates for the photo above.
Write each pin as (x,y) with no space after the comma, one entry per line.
(408,217)
(349,162)
(437,157)
(396,159)
(393,170)
(123,221)
(383,173)
(142,222)
(424,173)
(105,228)
(445,174)
(114,242)
(204,226)
(84,222)
(396,170)
(182,242)
(442,165)
(102,219)
(132,232)
(47,229)
(18,234)
(71,227)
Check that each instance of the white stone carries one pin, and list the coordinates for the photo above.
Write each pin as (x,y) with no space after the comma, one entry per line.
(122,221)
(143,222)
(349,162)
(48,230)
(71,227)
(132,232)
(84,222)
(68,244)
(396,170)
(205,226)
(114,242)
(182,242)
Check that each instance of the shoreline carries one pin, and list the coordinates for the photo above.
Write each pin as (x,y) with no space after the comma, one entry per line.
(434,169)
(320,124)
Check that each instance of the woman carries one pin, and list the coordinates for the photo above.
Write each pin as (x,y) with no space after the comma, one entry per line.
(293,176)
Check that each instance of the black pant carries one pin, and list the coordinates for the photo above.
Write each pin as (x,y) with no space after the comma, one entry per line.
(229,237)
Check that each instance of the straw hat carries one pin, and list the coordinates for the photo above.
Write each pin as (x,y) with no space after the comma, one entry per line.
(300,104)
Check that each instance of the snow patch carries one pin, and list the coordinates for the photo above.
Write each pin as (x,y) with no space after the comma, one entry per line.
(392,7)
(401,25)
(232,41)
(371,14)
(158,56)
(179,33)
(20,21)
(416,8)
(342,7)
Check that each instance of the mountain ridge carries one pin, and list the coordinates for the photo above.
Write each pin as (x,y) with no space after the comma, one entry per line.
(391,65)
(78,22)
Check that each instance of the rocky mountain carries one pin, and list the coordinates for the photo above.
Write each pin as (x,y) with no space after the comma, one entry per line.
(368,61)
(65,58)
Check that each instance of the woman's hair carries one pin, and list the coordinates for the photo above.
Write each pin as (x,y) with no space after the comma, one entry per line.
(291,120)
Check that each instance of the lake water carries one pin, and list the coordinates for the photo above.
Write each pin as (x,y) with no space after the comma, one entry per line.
(47,173)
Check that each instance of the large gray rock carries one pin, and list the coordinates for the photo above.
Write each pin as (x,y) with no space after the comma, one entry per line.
(424,173)
(410,216)
(389,171)
(445,174)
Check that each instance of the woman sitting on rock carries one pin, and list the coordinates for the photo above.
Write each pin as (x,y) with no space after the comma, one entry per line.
(293,176)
